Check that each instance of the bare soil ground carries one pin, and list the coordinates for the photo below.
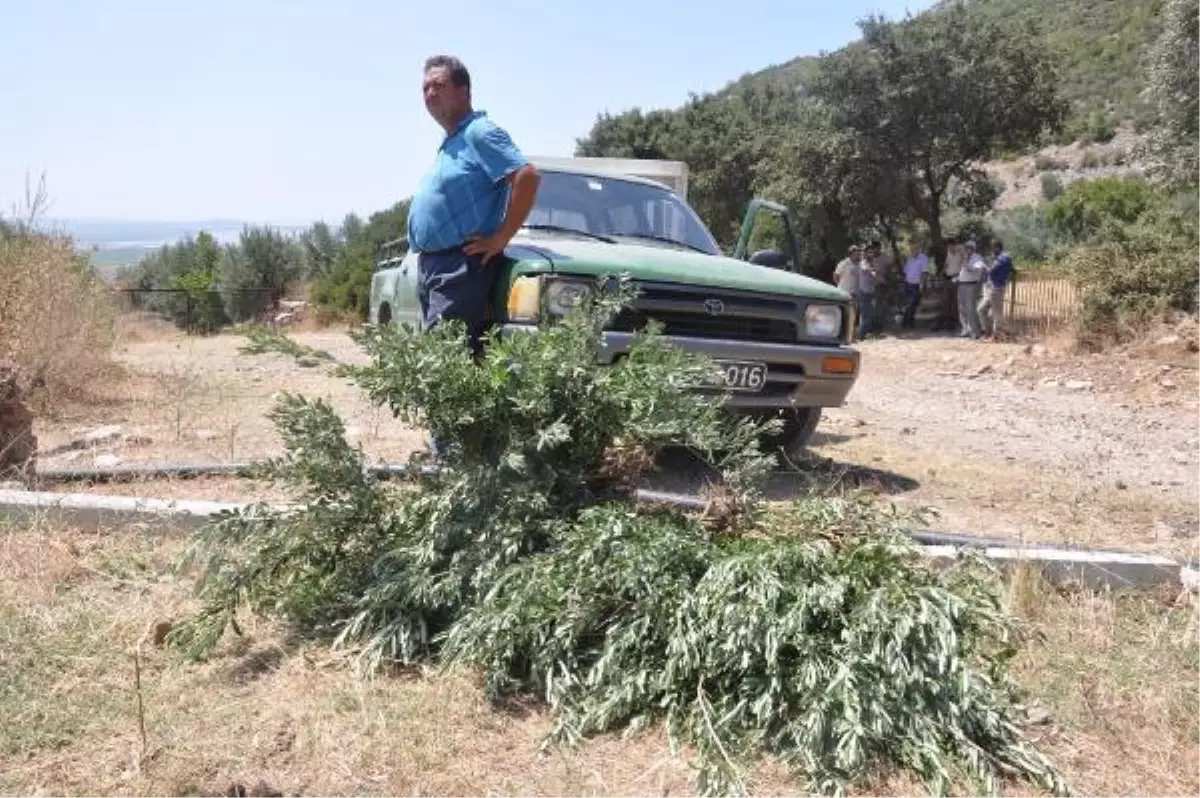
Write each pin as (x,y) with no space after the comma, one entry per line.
(1027,442)
(1113,680)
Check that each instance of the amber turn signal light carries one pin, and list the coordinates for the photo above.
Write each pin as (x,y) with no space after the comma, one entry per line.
(837,364)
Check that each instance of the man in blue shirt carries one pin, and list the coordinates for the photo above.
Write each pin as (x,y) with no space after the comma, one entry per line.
(991,306)
(468,207)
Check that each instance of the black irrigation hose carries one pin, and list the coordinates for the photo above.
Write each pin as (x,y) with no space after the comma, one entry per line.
(133,473)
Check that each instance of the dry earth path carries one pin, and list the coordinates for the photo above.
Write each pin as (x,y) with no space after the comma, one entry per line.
(1007,440)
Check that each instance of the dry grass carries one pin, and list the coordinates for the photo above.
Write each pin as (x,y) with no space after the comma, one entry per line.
(57,319)
(187,398)
(1116,677)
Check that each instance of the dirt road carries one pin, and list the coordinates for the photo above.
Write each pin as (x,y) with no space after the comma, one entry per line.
(999,439)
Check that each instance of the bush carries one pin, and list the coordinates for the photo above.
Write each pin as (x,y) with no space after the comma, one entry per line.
(1026,233)
(1051,186)
(57,318)
(1088,207)
(1099,129)
(1090,160)
(1121,289)
(817,634)
(1047,163)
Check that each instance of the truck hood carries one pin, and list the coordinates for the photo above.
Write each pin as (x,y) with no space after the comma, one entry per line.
(662,264)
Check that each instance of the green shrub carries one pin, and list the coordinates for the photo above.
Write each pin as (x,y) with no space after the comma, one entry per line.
(1047,163)
(1122,288)
(1090,160)
(1099,129)
(816,634)
(1026,233)
(1087,207)
(1051,186)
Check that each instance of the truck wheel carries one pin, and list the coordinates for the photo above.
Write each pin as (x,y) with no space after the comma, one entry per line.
(798,428)
(385,315)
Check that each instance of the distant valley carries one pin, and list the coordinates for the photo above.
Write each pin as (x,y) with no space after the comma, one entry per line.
(120,242)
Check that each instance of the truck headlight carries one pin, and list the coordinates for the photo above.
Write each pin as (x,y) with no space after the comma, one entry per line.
(563,296)
(822,321)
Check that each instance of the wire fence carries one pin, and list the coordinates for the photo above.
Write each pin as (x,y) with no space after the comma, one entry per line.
(202,311)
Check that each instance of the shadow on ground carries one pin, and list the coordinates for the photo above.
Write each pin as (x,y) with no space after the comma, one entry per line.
(680,471)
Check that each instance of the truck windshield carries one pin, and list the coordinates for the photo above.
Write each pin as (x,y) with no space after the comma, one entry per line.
(616,208)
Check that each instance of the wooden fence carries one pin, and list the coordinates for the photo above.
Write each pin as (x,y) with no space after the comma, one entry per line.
(1036,303)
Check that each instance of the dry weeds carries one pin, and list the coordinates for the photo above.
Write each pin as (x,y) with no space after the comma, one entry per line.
(1114,675)
(56,319)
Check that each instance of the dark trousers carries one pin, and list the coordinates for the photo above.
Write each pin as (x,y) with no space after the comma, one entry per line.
(866,314)
(912,299)
(454,285)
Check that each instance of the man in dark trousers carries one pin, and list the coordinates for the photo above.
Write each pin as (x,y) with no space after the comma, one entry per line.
(468,207)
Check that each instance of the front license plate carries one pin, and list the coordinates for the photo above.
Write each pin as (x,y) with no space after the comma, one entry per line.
(740,375)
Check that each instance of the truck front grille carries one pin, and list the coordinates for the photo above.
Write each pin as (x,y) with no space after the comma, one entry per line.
(696,312)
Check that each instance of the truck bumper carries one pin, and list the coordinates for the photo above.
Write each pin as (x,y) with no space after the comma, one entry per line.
(797,375)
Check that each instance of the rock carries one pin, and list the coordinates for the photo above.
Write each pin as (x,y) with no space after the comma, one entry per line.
(1168,384)
(353,432)
(1009,361)
(1180,457)
(161,630)
(107,461)
(1121,485)
(285,318)
(858,422)
(908,431)
(1078,385)
(293,304)
(102,434)
(205,435)
(137,440)
(1168,340)
(1050,382)
(18,444)
(981,370)
(308,362)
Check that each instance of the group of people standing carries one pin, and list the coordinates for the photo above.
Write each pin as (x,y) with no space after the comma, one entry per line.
(975,286)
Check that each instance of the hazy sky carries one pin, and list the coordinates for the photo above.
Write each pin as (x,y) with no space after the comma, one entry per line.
(291,111)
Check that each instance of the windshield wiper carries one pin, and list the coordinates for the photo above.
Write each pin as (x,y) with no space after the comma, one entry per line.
(665,240)
(560,229)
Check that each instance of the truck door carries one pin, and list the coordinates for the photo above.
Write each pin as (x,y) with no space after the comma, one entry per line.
(407,306)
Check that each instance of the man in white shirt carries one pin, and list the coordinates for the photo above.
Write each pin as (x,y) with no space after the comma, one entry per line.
(846,274)
(970,281)
(915,269)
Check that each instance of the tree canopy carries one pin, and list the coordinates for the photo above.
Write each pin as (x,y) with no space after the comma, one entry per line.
(882,133)
(1174,88)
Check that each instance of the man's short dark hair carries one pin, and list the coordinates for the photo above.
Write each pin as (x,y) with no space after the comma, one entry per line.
(997,243)
(459,75)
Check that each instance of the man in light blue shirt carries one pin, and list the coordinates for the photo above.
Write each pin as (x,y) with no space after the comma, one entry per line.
(468,207)
(915,269)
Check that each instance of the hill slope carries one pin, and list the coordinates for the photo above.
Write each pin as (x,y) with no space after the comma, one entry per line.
(1101,45)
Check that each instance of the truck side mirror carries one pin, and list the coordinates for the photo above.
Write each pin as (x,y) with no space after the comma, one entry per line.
(772,258)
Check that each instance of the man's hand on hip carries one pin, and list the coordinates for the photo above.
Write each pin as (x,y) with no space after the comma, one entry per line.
(486,247)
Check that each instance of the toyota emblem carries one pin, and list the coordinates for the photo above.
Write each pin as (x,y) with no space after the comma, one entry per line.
(714,307)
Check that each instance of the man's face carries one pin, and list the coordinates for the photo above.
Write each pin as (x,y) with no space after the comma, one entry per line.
(444,101)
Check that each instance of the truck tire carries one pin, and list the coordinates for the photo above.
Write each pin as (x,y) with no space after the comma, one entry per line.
(385,315)
(798,428)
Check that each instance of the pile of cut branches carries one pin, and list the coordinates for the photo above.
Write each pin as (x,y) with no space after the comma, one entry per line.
(816,634)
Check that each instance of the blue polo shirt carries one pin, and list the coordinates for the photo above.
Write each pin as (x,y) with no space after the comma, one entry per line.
(465,193)
(1001,271)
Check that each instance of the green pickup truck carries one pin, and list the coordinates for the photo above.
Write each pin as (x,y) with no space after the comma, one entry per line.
(780,339)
